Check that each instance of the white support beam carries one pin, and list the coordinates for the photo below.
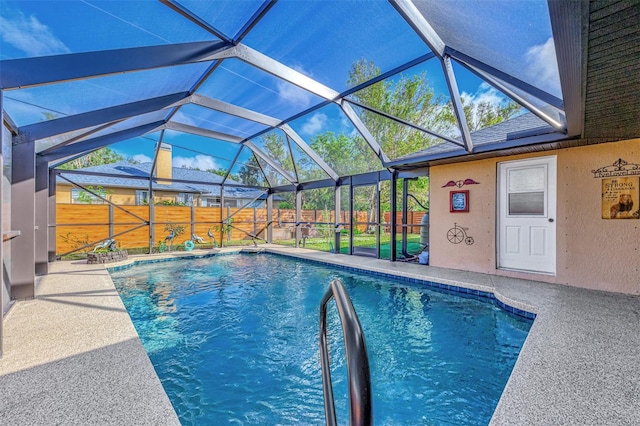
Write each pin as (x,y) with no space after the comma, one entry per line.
(457,103)
(234,110)
(267,64)
(359,125)
(420,25)
(257,151)
(202,132)
(554,121)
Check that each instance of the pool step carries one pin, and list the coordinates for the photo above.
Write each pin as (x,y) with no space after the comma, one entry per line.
(252,250)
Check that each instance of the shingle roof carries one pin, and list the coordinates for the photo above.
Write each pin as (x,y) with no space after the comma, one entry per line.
(126,169)
(517,127)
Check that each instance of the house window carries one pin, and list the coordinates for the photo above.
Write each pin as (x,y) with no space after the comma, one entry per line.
(80,196)
(210,201)
(184,198)
(142,197)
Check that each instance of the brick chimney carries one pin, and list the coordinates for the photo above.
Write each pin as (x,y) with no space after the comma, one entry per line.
(164,166)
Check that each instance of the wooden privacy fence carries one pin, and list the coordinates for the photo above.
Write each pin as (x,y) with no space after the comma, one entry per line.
(414,219)
(86,224)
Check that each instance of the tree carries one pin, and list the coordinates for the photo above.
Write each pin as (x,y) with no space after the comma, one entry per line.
(413,100)
(96,158)
(410,98)
(346,155)
(277,148)
(485,114)
(249,173)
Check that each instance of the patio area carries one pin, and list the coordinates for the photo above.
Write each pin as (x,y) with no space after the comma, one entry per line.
(72,355)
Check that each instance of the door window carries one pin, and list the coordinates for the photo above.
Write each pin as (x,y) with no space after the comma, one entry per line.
(525,191)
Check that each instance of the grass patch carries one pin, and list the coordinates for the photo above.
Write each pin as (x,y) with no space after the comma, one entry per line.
(360,240)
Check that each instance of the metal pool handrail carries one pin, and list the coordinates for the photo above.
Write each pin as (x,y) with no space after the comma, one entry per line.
(360,407)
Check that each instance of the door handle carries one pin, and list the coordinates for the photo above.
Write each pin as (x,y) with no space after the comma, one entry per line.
(550,219)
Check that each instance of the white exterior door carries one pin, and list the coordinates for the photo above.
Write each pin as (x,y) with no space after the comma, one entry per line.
(527,215)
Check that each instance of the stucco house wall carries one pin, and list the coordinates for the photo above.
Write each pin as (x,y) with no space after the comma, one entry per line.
(591,252)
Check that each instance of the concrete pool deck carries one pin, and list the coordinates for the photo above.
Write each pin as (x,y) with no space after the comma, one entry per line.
(72,356)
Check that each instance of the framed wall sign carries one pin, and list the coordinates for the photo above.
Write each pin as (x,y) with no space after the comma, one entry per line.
(459,201)
(620,197)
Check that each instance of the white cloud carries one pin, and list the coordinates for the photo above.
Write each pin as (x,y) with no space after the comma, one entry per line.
(141,158)
(31,36)
(314,124)
(542,67)
(183,118)
(201,162)
(294,94)
(485,93)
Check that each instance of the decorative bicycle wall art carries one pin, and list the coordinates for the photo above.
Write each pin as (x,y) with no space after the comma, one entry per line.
(458,234)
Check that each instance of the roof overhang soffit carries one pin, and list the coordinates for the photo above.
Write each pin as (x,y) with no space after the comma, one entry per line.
(569,23)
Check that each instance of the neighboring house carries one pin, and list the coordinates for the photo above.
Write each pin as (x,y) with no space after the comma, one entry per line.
(127,191)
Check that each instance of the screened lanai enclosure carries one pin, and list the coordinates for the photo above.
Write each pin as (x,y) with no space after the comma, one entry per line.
(159,123)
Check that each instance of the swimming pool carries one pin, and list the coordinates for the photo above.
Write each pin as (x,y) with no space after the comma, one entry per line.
(234,339)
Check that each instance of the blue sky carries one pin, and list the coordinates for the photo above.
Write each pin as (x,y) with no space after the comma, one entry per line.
(321,39)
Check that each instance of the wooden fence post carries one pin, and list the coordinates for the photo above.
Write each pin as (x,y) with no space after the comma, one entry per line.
(111,232)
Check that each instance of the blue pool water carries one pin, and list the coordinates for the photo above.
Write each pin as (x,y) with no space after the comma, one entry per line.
(234,340)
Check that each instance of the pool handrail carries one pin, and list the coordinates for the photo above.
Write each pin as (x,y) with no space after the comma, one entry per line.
(358,375)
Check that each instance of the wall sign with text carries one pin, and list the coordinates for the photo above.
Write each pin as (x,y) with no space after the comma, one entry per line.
(621,198)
